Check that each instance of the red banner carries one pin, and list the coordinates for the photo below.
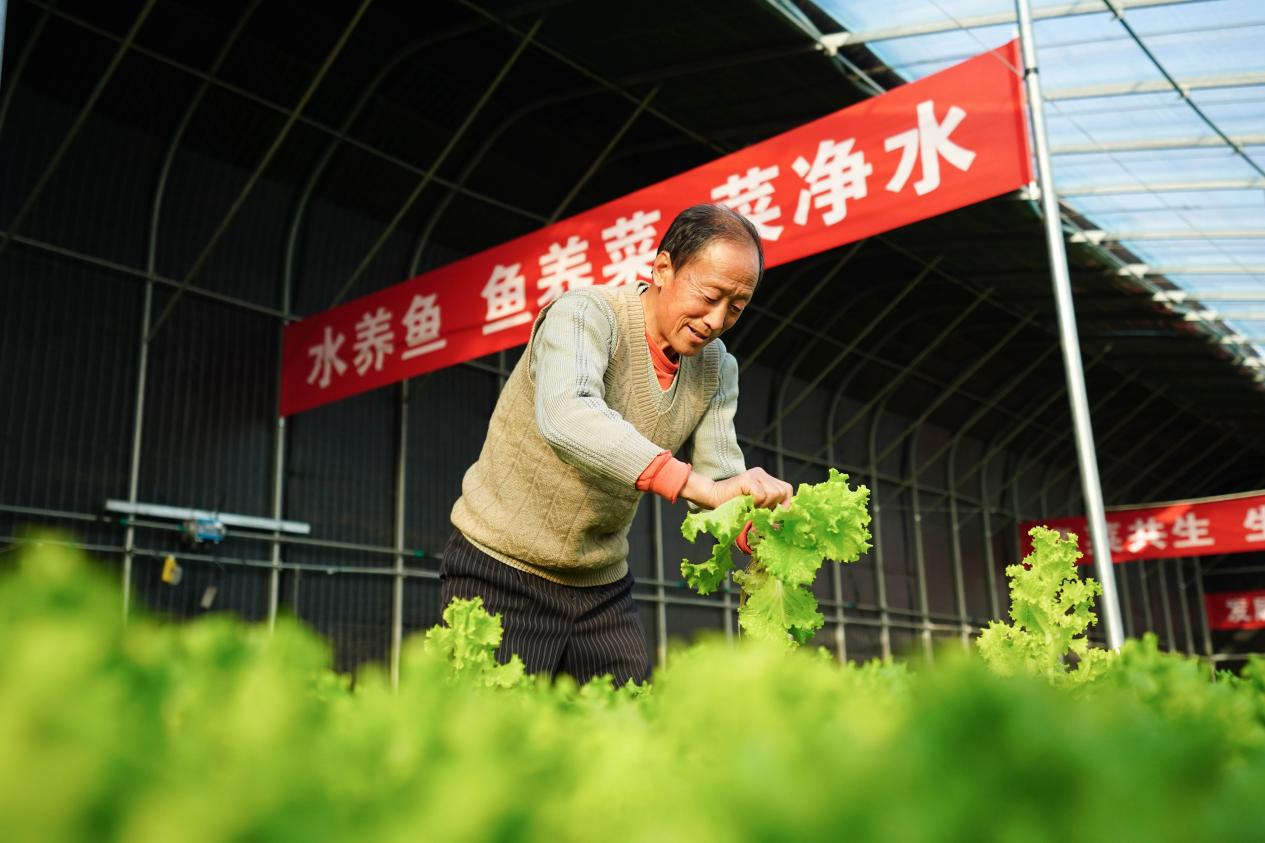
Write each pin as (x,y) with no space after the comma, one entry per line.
(1235,610)
(923,149)
(1228,524)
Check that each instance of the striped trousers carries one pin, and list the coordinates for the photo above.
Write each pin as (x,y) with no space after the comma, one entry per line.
(553,628)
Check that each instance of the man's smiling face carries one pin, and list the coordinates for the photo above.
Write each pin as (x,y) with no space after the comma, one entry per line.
(704,298)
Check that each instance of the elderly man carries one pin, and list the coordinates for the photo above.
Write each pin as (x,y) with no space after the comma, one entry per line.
(613,382)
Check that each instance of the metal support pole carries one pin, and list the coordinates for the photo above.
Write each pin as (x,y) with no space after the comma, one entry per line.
(920,565)
(836,585)
(660,593)
(955,550)
(1126,603)
(1203,612)
(1067,331)
(1184,598)
(1148,612)
(1167,606)
(990,562)
(138,424)
(876,523)
(401,512)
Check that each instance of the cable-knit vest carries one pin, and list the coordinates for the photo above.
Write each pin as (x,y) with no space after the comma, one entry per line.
(524,505)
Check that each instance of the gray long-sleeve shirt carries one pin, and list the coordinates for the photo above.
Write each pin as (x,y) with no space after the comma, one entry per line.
(573,345)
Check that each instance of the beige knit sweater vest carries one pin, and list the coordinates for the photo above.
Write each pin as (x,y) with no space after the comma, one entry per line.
(522,504)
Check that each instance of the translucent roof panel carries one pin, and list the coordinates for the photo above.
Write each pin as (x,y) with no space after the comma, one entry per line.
(1131,155)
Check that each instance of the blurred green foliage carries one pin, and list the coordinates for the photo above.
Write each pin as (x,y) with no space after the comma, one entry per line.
(213,730)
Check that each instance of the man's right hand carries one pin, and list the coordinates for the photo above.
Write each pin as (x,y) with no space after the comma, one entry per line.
(765,489)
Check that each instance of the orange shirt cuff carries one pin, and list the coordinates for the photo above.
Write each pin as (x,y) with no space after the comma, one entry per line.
(665,477)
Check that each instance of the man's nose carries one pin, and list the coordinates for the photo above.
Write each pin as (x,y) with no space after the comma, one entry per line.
(715,317)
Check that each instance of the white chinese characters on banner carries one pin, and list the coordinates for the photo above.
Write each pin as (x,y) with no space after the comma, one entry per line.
(1237,611)
(1146,532)
(506,297)
(1254,523)
(927,144)
(564,267)
(422,323)
(374,340)
(836,175)
(751,194)
(1192,531)
(1258,609)
(630,245)
(325,359)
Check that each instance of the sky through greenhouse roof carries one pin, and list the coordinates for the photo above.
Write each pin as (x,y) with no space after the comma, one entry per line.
(1130,154)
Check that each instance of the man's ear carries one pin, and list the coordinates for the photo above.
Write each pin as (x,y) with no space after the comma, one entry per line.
(661,269)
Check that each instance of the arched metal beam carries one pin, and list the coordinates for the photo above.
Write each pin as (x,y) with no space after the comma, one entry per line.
(338,137)
(151,272)
(80,119)
(785,321)
(1106,435)
(249,187)
(956,384)
(807,391)
(453,140)
(912,365)
(1015,431)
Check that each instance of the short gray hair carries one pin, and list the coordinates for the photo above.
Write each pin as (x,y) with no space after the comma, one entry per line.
(698,225)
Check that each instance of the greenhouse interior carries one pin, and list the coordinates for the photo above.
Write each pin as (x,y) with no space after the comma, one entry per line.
(299,482)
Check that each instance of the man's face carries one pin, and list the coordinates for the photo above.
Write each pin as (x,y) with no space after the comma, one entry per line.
(701,300)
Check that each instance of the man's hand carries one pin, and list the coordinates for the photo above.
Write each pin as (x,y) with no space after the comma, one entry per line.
(765,489)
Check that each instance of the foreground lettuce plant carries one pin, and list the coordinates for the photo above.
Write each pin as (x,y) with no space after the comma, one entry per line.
(1050,610)
(467,642)
(825,521)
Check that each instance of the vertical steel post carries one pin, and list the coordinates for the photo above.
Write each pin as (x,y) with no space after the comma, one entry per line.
(1203,611)
(138,426)
(1148,612)
(278,489)
(1166,605)
(876,524)
(955,548)
(990,562)
(836,570)
(401,510)
(1126,602)
(1185,601)
(920,565)
(660,592)
(1067,330)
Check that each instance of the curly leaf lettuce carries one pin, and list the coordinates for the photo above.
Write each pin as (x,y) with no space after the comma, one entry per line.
(1050,606)
(828,520)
